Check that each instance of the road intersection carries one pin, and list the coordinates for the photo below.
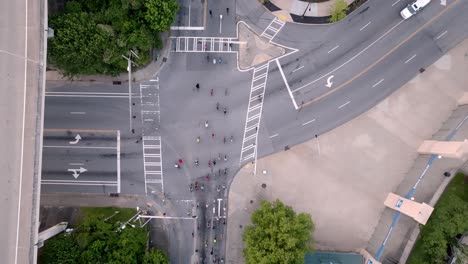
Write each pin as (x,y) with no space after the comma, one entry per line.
(202,119)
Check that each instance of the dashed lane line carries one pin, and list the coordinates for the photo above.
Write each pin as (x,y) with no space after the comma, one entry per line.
(308,122)
(343,105)
(377,83)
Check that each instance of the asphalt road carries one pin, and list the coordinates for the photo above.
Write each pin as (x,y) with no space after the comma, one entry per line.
(370,55)
(21,57)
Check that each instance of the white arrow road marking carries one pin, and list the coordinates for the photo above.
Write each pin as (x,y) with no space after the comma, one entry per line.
(443,2)
(77,139)
(329,82)
(75,171)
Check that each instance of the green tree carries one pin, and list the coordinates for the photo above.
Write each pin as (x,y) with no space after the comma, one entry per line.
(160,13)
(448,219)
(92,35)
(61,249)
(155,257)
(338,10)
(278,235)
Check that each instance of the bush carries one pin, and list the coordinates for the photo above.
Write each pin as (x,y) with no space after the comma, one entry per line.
(338,10)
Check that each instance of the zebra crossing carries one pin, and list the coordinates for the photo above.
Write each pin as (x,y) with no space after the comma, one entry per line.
(203,44)
(273,28)
(150,110)
(152,153)
(152,158)
(254,113)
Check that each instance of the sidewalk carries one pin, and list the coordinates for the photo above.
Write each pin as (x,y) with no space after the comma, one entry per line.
(301,11)
(343,178)
(147,72)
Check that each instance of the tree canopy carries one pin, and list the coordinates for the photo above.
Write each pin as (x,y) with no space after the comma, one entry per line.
(92,35)
(278,235)
(98,241)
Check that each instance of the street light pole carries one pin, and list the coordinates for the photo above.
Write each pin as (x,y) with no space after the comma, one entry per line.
(129,69)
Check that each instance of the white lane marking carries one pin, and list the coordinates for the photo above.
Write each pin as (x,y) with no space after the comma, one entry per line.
(189,12)
(343,105)
(275,135)
(92,93)
(351,59)
(91,96)
(295,70)
(377,83)
(441,35)
(75,164)
(308,122)
(408,60)
(72,182)
(396,2)
(77,113)
(20,191)
(333,48)
(118,161)
(365,26)
(287,85)
(78,147)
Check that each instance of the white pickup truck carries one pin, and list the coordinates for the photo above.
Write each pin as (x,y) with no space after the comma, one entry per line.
(413,8)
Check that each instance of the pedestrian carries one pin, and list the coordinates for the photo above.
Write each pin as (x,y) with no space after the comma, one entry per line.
(181,161)
(227,10)
(224,139)
(212,135)
(211,92)
(225,111)
(214,162)
(209,163)
(217,106)
(198,87)
(211,13)
(232,138)
(193,234)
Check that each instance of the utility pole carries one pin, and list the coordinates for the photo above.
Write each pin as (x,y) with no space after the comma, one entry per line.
(129,69)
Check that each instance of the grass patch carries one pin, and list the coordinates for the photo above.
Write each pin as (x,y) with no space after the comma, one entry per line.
(450,217)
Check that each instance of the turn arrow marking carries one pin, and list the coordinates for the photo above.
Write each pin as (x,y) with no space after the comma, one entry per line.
(329,82)
(77,139)
(75,171)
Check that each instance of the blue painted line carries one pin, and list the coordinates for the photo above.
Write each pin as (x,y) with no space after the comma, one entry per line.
(411,192)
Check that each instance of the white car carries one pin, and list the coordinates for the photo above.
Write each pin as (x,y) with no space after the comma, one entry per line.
(413,8)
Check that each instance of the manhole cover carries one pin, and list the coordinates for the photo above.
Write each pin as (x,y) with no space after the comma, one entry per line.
(263,185)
